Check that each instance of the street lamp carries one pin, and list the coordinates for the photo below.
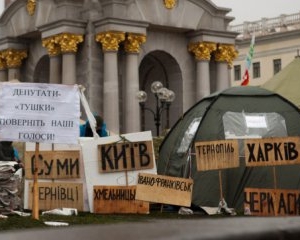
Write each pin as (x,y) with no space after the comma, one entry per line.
(164,97)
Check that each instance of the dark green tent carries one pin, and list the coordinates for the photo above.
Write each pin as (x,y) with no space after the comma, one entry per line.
(223,116)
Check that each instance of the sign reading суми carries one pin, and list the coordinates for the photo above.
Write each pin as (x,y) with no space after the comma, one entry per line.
(164,189)
(212,155)
(53,164)
(272,151)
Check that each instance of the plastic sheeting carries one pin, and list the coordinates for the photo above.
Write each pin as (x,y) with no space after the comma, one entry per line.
(243,125)
(189,136)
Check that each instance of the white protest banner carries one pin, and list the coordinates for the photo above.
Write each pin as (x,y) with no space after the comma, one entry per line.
(38,112)
(90,146)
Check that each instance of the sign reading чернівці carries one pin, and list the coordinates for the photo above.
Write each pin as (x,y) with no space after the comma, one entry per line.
(272,151)
(58,195)
(221,154)
(38,112)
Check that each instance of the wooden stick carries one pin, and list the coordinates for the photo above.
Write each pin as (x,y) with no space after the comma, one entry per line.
(35,202)
(221,185)
(126,177)
(274,177)
(275,187)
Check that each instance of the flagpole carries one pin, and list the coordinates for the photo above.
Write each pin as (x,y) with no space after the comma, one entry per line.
(246,78)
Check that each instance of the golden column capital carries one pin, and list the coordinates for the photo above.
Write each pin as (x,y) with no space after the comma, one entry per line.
(3,64)
(31,6)
(110,40)
(68,42)
(202,50)
(170,3)
(14,57)
(226,53)
(133,42)
(52,47)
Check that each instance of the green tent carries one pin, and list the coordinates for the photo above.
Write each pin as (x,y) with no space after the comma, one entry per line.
(287,82)
(222,116)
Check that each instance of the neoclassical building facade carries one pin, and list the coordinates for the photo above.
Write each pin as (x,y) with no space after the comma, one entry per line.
(114,48)
(277,42)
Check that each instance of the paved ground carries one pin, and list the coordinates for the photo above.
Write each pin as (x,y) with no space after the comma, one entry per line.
(235,228)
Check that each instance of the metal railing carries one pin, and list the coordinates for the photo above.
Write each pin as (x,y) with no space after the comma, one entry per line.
(267,26)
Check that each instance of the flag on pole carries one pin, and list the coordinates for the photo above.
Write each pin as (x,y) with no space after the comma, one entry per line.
(249,57)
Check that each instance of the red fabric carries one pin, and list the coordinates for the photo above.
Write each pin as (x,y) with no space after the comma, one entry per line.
(245,81)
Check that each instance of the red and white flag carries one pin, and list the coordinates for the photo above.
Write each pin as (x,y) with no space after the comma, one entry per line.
(246,78)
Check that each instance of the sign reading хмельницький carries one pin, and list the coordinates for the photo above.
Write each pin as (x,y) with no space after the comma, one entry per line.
(37,112)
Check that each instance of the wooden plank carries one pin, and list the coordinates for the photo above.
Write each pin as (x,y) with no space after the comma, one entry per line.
(53,164)
(272,151)
(164,189)
(125,156)
(118,199)
(272,202)
(219,154)
(58,195)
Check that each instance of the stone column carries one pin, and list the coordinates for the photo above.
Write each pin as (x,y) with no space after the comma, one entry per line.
(202,51)
(110,45)
(13,58)
(225,55)
(54,52)
(68,44)
(3,69)
(132,107)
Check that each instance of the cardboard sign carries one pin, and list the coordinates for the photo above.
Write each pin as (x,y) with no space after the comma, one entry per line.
(214,155)
(61,148)
(53,164)
(272,202)
(90,146)
(58,195)
(118,199)
(164,189)
(272,151)
(39,112)
(124,156)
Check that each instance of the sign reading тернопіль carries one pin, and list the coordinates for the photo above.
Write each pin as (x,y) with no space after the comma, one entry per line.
(221,154)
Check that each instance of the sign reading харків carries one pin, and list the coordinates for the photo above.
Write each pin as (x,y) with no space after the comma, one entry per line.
(38,112)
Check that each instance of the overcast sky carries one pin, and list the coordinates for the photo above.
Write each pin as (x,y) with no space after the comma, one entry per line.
(252,10)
